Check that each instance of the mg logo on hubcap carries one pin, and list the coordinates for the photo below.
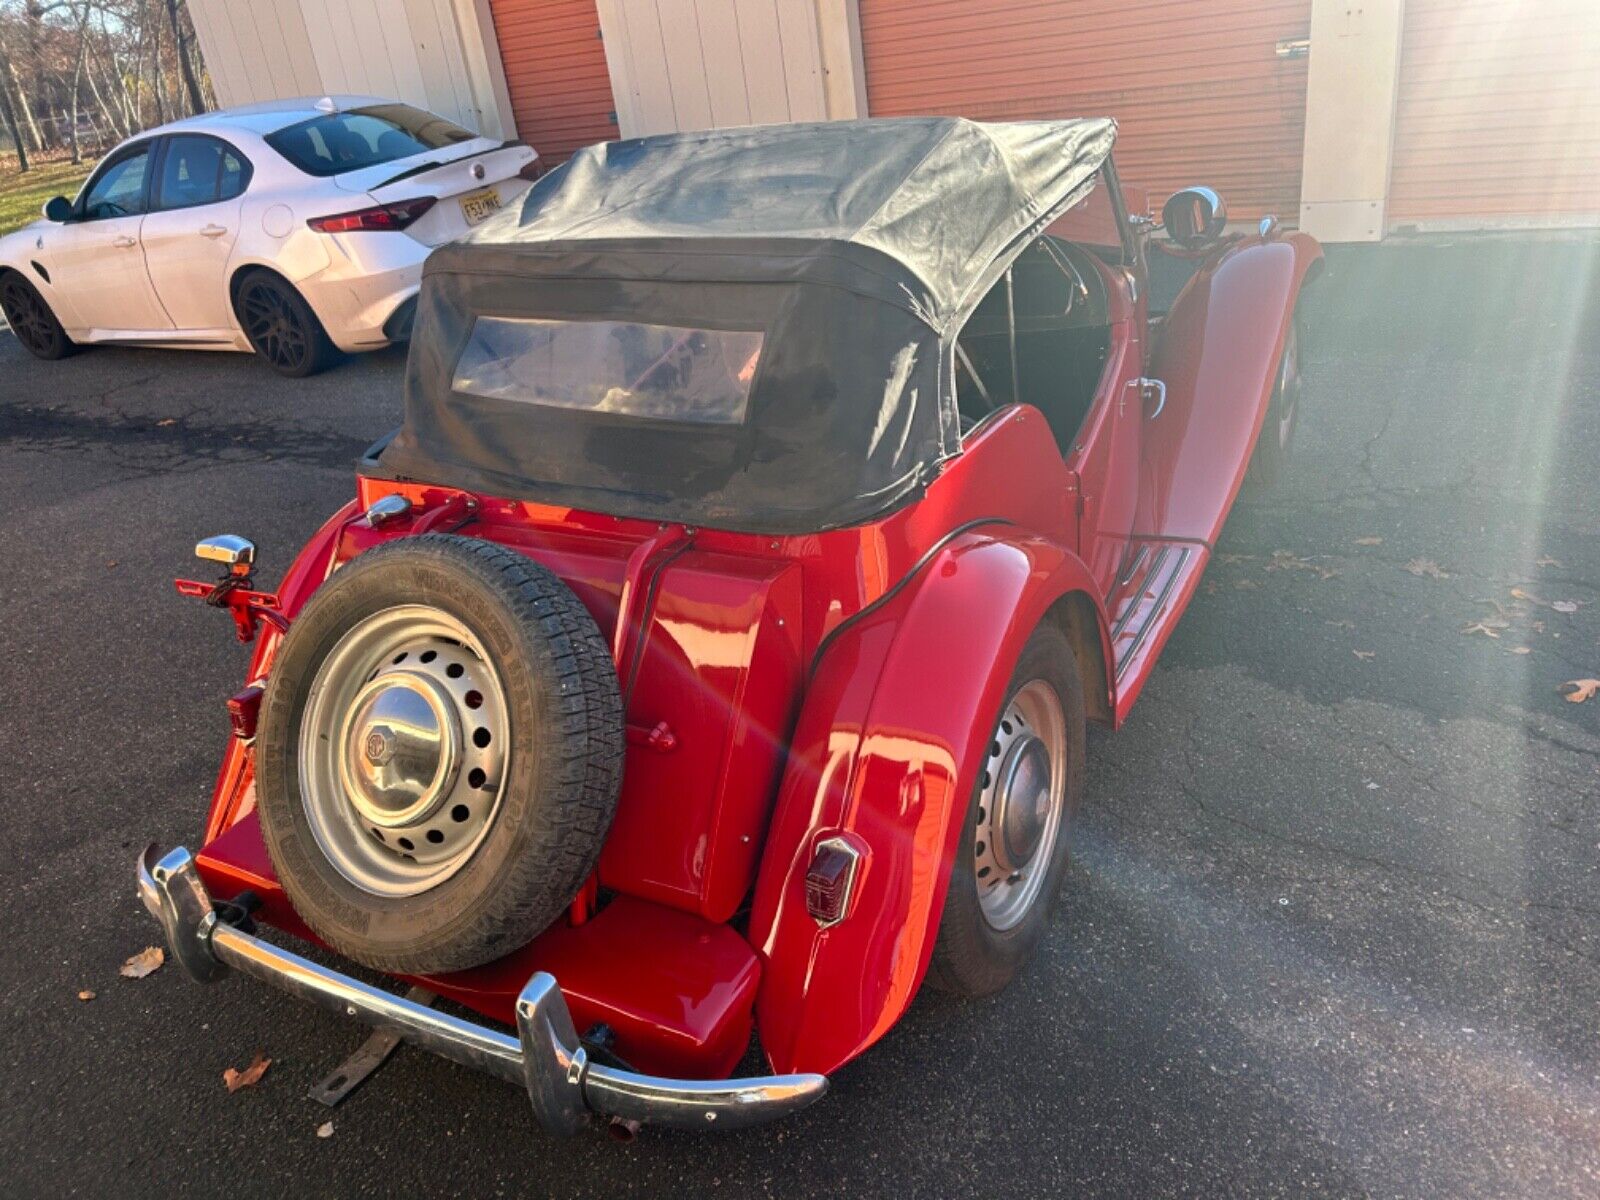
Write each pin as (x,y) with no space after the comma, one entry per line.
(379,747)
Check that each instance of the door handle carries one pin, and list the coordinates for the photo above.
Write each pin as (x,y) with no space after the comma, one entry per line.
(213,231)
(124,241)
(1153,387)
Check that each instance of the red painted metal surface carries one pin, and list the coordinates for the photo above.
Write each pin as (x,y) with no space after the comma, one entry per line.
(747,746)
(677,989)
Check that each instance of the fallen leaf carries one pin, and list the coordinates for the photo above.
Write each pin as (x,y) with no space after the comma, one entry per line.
(1520,594)
(111,564)
(1426,566)
(1487,629)
(1328,573)
(143,963)
(325,1130)
(1545,560)
(86,995)
(1522,650)
(1564,606)
(250,1076)
(1582,689)
(1341,624)
(1369,541)
(1246,585)
(1236,558)
(1364,655)
(165,421)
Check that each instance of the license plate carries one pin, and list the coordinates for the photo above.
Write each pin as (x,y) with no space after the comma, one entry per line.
(480,206)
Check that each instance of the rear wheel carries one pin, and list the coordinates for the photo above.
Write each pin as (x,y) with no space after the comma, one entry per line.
(31,320)
(1014,848)
(1283,415)
(281,326)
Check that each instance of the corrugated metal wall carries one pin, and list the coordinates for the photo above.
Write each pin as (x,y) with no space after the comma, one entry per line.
(1198,90)
(555,67)
(1498,113)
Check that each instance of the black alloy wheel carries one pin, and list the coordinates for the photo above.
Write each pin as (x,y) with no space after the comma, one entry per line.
(31,320)
(282,327)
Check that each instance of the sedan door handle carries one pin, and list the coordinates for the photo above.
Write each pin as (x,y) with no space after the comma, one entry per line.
(213,231)
(1153,387)
(124,241)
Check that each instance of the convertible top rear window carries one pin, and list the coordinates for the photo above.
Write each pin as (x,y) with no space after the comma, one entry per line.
(622,367)
(363,137)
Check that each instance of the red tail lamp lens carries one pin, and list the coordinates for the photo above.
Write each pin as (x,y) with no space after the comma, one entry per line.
(532,170)
(378,218)
(829,881)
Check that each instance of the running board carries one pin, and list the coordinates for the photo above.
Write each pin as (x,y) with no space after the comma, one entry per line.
(1146,607)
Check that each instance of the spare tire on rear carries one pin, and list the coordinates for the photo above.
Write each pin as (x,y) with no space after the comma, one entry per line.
(439,754)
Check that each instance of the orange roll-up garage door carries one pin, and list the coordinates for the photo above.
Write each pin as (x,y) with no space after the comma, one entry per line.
(555,68)
(1198,88)
(1497,117)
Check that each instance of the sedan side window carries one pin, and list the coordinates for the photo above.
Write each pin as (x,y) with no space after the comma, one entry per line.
(199,170)
(119,190)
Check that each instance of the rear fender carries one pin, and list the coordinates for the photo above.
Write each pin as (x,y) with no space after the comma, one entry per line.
(1218,357)
(885,755)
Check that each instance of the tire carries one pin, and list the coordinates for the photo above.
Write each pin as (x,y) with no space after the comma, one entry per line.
(982,944)
(282,329)
(31,320)
(1271,455)
(524,701)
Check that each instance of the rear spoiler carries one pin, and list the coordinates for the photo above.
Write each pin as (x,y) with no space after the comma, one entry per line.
(430,165)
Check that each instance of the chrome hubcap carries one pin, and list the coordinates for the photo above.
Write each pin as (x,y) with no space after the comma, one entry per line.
(1020,805)
(403,750)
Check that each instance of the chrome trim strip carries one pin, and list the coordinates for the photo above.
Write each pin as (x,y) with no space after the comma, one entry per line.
(547,1058)
(1160,605)
(1133,603)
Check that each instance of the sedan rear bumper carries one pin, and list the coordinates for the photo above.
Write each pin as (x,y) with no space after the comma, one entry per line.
(565,1086)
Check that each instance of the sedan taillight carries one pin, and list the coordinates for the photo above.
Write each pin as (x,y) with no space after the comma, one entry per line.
(379,217)
(532,170)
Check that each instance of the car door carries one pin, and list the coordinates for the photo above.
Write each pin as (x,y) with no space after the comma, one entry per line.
(189,233)
(96,259)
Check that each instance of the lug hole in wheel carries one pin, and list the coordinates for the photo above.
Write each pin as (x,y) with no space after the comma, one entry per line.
(460,813)
(983,872)
(455,670)
(435,836)
(400,658)
(980,847)
(429,655)
(377,834)
(406,844)
(480,737)
(475,778)
(473,699)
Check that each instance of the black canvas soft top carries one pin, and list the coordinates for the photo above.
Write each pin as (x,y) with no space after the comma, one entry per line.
(854,247)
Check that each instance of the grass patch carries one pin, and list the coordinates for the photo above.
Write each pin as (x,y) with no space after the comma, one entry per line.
(22,195)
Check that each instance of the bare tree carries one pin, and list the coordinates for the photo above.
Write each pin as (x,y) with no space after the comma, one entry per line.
(180,36)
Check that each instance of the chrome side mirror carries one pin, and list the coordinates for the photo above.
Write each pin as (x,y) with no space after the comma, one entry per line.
(1194,217)
(227,548)
(57,209)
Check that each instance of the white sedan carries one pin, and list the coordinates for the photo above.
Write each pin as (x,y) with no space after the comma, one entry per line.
(296,229)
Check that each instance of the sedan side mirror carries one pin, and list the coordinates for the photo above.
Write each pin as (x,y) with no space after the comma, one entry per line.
(1194,217)
(58,209)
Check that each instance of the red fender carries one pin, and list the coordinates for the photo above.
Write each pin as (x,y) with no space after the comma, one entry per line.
(886,754)
(1218,356)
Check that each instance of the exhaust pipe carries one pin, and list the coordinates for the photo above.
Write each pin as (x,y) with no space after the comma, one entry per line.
(622,1129)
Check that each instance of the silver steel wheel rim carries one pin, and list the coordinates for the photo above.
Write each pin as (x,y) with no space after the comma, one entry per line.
(1020,805)
(403,752)
(1289,388)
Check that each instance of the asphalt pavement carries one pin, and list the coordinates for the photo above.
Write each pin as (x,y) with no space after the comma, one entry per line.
(1333,926)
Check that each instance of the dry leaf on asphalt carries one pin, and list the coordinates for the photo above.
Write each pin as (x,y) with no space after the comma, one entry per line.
(1521,594)
(1369,541)
(1522,650)
(1236,558)
(1426,566)
(1544,560)
(86,995)
(143,963)
(1564,606)
(1364,655)
(1341,624)
(250,1076)
(1488,629)
(325,1130)
(1582,689)
(165,421)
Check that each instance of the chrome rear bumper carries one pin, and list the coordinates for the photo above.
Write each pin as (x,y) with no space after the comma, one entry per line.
(565,1087)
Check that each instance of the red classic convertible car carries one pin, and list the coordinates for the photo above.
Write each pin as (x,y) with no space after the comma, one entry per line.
(708,654)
